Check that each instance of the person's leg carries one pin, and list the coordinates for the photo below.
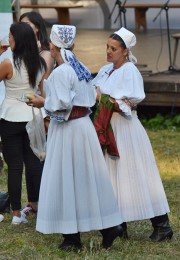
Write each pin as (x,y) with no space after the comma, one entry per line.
(33,172)
(110,234)
(162,228)
(125,233)
(11,135)
(71,241)
(1,156)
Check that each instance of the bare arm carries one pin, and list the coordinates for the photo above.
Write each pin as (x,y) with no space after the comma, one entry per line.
(41,84)
(46,55)
(49,61)
(6,70)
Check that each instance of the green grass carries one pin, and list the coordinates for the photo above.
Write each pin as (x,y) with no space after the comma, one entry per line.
(23,242)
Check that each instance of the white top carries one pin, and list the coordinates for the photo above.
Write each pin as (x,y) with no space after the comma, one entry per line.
(12,109)
(67,91)
(125,82)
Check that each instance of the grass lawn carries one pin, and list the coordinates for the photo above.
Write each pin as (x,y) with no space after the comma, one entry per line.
(23,242)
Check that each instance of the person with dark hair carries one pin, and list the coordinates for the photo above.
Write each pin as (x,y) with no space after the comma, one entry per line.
(23,74)
(37,23)
(76,194)
(128,152)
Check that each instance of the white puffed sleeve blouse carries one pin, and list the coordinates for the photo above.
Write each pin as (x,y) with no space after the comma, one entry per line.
(124,82)
(64,90)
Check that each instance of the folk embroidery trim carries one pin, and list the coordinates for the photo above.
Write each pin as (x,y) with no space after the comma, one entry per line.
(65,34)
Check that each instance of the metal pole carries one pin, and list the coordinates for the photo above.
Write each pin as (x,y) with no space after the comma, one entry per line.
(169,41)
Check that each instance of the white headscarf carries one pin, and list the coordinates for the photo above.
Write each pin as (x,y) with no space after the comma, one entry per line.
(130,40)
(63,37)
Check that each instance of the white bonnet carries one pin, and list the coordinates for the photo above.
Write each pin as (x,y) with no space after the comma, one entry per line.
(130,40)
(63,36)
(128,37)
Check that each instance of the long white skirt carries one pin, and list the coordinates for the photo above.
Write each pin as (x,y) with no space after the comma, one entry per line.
(135,177)
(76,193)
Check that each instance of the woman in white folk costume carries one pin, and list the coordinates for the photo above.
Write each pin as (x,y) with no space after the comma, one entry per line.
(134,174)
(76,194)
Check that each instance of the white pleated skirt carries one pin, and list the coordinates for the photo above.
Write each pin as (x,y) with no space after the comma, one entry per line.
(76,194)
(135,177)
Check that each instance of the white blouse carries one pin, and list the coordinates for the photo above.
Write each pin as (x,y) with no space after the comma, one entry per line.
(64,90)
(11,108)
(125,82)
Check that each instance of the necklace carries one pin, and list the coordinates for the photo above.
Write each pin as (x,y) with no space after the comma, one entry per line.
(121,64)
(111,71)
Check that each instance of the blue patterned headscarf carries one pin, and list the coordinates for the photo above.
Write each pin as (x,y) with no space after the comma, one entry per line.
(63,37)
(81,71)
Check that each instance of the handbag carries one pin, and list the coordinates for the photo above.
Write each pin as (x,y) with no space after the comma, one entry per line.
(4,202)
(37,135)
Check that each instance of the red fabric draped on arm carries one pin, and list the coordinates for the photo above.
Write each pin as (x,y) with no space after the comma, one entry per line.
(103,127)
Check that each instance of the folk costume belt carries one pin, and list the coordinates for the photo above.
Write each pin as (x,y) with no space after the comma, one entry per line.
(78,112)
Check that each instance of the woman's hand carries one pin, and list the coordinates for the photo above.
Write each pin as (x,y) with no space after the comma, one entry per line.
(98,93)
(35,100)
(46,123)
(3,48)
(38,101)
(116,106)
(132,105)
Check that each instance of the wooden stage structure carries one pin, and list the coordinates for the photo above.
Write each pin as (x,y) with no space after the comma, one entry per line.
(162,89)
